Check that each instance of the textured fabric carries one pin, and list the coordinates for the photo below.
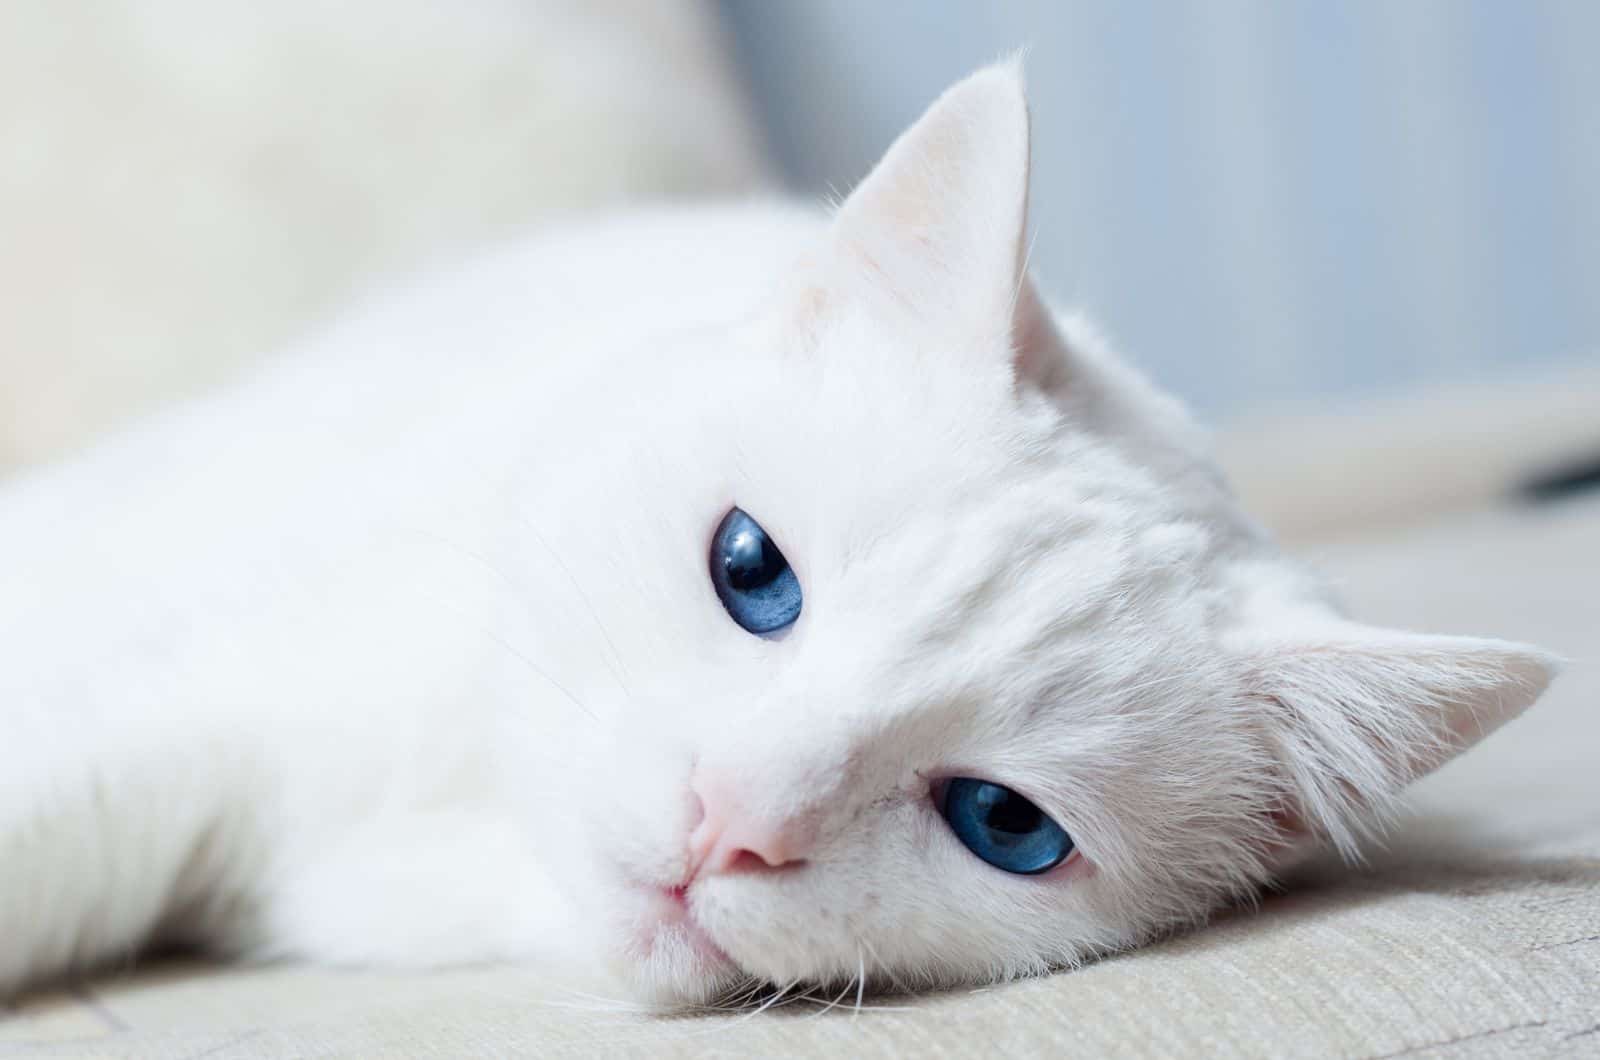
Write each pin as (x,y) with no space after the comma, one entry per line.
(1475,932)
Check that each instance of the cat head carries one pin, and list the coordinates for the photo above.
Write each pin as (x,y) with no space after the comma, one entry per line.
(934,648)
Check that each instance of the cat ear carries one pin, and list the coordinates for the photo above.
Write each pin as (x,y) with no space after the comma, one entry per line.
(935,234)
(1355,713)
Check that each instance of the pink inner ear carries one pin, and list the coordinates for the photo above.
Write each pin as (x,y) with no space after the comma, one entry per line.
(1292,840)
(1359,712)
(1037,358)
(1286,822)
(934,233)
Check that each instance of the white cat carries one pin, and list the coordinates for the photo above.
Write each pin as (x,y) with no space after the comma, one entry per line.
(715,595)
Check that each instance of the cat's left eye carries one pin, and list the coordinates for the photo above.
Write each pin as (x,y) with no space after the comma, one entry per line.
(753,579)
(1002,827)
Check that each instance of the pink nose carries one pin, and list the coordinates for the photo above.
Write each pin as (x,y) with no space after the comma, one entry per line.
(730,838)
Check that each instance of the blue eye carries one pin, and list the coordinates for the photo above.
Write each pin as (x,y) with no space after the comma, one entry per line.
(752,579)
(1003,828)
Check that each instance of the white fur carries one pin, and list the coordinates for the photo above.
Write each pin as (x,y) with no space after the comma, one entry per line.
(405,651)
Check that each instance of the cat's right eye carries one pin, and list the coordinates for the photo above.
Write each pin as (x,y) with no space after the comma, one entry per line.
(1002,827)
(753,580)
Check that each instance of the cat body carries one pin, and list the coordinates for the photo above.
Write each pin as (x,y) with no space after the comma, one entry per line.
(211,657)
(404,651)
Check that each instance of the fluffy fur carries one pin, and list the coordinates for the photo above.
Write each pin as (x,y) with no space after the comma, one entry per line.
(405,652)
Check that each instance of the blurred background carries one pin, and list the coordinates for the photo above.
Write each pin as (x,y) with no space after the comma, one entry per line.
(1362,238)
(1264,201)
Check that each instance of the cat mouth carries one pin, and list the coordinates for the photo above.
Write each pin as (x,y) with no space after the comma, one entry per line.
(670,926)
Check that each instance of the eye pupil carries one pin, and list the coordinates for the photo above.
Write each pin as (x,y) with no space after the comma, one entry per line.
(751,561)
(1014,815)
(1003,828)
(752,578)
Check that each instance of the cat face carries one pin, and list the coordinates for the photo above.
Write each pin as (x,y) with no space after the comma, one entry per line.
(946,656)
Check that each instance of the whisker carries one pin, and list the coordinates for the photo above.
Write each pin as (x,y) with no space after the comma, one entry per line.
(759,1009)
(618,668)
(831,1005)
(861,978)
(512,650)
(739,999)
(522,593)
(894,980)
(775,998)
(588,1002)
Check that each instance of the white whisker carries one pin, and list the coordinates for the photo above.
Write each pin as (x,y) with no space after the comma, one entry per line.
(861,977)
(833,1004)
(618,668)
(525,596)
(513,651)
(894,980)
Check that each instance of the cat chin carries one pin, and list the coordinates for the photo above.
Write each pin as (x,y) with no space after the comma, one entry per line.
(679,971)
(670,961)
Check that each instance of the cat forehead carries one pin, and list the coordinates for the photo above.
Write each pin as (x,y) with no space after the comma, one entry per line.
(889,488)
(853,487)
(1032,594)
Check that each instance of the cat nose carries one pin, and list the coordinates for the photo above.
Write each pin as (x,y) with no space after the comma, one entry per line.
(732,838)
